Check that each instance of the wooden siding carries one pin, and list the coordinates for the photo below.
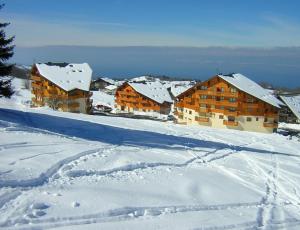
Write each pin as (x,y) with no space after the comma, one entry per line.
(126,96)
(46,92)
(218,96)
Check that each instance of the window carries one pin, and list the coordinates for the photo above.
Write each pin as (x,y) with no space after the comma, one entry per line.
(190,112)
(221,117)
(213,97)
(221,98)
(203,96)
(232,109)
(203,87)
(232,99)
(221,107)
(222,89)
(257,119)
(231,118)
(250,100)
(266,119)
(233,90)
(202,105)
(249,110)
(249,119)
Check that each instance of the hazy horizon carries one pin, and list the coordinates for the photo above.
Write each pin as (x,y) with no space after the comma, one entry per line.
(277,66)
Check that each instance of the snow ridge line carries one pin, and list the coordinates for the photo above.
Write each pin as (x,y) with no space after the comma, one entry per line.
(128,213)
(44,177)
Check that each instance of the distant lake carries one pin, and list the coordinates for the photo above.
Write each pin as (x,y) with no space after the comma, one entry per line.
(278,66)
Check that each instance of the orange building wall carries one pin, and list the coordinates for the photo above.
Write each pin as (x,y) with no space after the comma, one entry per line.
(126,96)
(214,100)
(45,91)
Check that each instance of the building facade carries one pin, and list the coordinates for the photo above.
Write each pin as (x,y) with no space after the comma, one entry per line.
(62,86)
(232,101)
(146,98)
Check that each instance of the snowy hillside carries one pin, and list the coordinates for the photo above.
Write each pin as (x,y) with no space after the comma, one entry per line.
(73,171)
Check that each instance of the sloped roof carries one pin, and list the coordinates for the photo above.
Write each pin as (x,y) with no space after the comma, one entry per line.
(293,102)
(68,77)
(108,80)
(111,87)
(177,90)
(153,90)
(245,84)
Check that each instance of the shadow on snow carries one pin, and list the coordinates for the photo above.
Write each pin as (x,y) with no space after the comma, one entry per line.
(111,135)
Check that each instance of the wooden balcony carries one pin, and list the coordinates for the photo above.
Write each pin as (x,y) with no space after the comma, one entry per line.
(202,119)
(216,93)
(203,110)
(35,78)
(36,86)
(250,105)
(226,103)
(207,101)
(231,113)
(270,125)
(230,123)
(127,93)
(273,115)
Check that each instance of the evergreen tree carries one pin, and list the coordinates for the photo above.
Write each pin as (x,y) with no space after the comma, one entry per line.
(6,52)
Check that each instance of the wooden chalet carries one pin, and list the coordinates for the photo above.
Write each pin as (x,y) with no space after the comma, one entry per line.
(146,97)
(62,86)
(229,101)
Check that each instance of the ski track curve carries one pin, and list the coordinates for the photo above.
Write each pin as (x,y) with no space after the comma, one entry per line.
(44,177)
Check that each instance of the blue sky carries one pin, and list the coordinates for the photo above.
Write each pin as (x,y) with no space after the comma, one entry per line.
(255,23)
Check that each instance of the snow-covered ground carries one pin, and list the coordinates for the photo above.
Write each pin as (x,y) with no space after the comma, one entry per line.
(74,171)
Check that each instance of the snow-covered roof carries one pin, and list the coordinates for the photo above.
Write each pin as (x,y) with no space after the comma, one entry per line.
(142,79)
(153,90)
(245,84)
(293,102)
(101,98)
(177,90)
(111,87)
(68,77)
(108,80)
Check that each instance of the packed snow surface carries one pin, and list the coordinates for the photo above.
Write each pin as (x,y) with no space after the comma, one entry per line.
(245,84)
(73,171)
(72,76)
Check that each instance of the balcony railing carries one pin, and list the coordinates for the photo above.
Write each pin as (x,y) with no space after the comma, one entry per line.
(202,119)
(203,110)
(217,93)
(35,78)
(36,86)
(231,113)
(274,115)
(270,125)
(230,123)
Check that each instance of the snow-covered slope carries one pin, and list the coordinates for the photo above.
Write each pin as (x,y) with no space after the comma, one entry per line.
(74,171)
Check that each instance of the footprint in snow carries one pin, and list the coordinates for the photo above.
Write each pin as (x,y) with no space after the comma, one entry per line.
(75,204)
(39,205)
